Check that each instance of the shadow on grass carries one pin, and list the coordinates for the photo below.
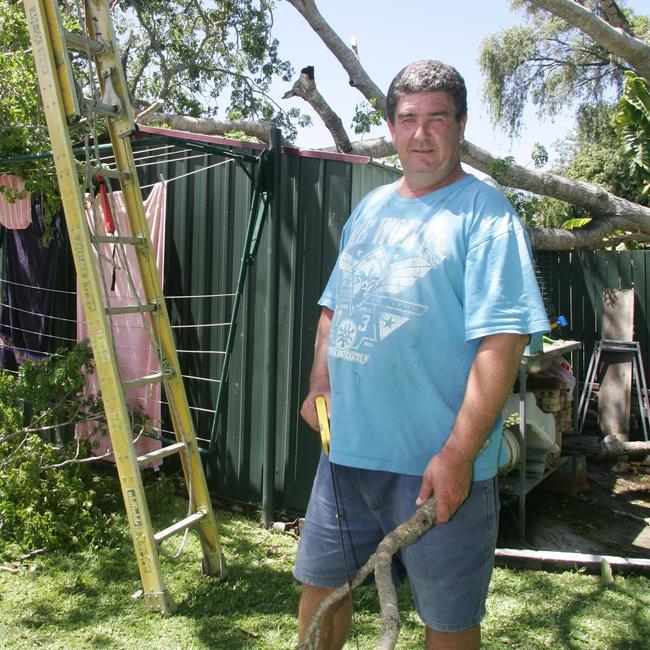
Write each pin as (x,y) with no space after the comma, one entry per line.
(566,610)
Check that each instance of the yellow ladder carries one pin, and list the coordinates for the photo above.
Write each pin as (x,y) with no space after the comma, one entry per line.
(63,105)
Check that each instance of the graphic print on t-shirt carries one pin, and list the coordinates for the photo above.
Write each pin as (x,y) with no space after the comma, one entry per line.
(377,265)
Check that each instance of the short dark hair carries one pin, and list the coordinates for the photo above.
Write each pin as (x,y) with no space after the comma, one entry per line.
(427,76)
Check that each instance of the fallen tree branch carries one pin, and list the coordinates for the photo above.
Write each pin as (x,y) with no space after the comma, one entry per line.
(305,88)
(612,447)
(601,203)
(380,562)
(205,126)
(357,75)
(617,41)
(608,447)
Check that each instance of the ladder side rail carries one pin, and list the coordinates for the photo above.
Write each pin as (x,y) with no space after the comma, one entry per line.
(644,387)
(90,290)
(588,386)
(637,370)
(638,373)
(110,71)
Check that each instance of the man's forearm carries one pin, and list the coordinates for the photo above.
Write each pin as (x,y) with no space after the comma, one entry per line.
(319,379)
(319,373)
(490,380)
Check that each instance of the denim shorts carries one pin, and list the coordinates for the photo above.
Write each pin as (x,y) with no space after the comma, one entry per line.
(448,568)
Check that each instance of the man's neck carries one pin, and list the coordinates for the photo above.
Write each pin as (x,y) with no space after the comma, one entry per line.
(413,187)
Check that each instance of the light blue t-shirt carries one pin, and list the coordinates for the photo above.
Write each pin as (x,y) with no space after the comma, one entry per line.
(417,284)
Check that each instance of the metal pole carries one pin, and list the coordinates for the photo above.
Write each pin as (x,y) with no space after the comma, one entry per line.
(271,331)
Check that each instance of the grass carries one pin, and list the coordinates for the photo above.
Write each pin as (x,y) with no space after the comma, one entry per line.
(82,600)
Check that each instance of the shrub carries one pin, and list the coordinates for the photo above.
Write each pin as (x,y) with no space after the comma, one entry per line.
(42,505)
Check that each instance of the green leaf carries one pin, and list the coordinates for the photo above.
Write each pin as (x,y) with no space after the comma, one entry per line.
(572,224)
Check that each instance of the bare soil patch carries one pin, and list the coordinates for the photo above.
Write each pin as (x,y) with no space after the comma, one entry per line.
(610,517)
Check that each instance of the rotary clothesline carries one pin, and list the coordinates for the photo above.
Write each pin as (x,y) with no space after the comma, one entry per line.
(158,155)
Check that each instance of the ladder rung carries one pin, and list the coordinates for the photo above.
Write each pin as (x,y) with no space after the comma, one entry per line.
(84,44)
(163,452)
(179,526)
(148,379)
(131,309)
(110,239)
(101,171)
(110,110)
(617,348)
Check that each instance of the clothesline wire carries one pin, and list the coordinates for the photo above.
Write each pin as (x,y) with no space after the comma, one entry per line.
(145,154)
(35,313)
(62,338)
(178,327)
(74,293)
(166,403)
(202,295)
(195,171)
(173,160)
(51,336)
(182,159)
(32,286)
(208,379)
(173,435)
(39,352)
(136,397)
(123,327)
(122,347)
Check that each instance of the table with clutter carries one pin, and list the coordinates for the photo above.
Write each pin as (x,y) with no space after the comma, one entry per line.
(545,405)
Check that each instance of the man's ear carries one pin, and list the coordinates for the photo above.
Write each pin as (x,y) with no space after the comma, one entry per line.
(391,129)
(461,127)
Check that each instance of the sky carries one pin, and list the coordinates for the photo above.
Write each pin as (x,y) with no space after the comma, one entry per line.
(391,34)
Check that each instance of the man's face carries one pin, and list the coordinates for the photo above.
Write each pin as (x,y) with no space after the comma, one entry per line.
(427,137)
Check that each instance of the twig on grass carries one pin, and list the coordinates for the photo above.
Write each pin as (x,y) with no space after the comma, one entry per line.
(9,569)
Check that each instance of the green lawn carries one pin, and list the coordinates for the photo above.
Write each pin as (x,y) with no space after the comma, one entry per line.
(83,600)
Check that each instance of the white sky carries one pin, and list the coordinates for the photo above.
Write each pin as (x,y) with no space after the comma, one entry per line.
(391,34)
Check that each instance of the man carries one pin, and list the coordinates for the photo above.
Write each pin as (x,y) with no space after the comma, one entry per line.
(424,321)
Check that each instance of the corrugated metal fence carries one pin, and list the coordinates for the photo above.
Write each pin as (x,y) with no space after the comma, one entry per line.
(575,282)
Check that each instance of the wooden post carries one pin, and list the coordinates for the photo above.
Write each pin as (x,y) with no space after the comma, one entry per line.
(615,391)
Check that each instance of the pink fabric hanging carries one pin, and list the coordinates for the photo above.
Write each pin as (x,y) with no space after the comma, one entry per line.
(18,215)
(136,355)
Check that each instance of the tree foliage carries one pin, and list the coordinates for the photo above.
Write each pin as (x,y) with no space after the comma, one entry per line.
(202,58)
(22,123)
(199,59)
(551,64)
(42,504)
(633,124)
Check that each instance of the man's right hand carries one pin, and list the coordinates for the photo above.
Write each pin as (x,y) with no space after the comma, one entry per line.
(308,410)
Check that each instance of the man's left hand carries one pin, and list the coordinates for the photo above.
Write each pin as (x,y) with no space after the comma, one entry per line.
(448,476)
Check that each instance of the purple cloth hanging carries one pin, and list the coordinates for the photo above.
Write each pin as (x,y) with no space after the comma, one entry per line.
(29,270)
